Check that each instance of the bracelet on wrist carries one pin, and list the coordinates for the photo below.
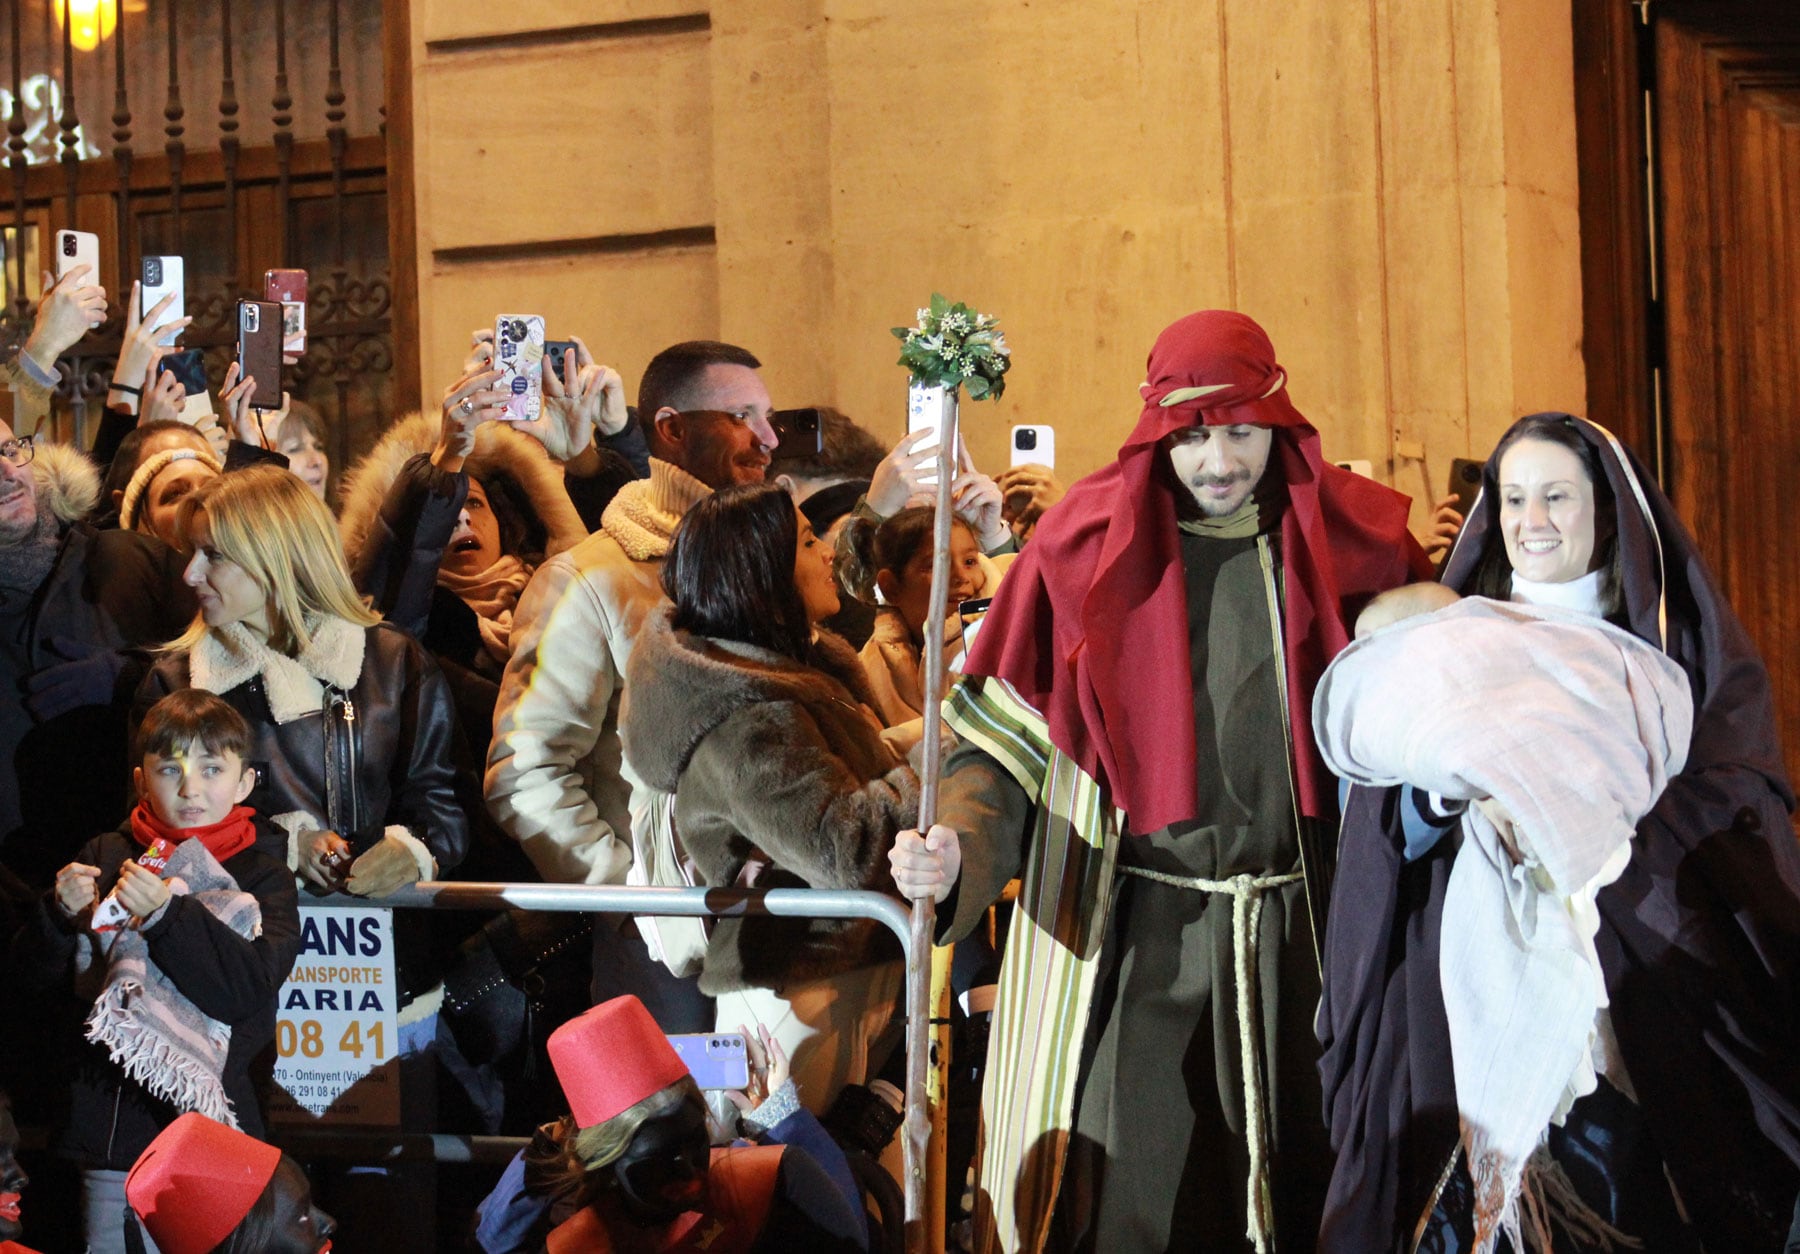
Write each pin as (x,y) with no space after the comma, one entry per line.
(127,389)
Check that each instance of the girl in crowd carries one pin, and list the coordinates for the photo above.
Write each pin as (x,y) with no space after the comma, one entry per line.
(151,501)
(894,558)
(759,726)
(1693,1130)
(350,715)
(300,437)
(203,1188)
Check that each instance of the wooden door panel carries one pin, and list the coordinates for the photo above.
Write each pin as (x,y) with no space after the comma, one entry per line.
(1728,153)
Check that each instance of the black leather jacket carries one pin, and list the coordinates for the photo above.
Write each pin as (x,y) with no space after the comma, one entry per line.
(385,752)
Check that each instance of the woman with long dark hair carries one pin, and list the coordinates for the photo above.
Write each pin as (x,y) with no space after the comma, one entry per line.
(758,726)
(1686,1130)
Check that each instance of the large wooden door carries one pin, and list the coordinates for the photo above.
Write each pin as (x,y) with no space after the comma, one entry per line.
(1727,149)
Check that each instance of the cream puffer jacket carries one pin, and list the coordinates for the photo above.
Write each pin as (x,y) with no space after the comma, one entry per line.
(556,780)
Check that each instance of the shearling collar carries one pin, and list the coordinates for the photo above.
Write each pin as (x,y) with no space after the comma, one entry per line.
(499,451)
(682,686)
(229,656)
(644,514)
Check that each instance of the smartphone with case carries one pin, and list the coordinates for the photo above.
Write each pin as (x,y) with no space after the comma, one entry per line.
(716,1060)
(1034,445)
(289,287)
(189,366)
(259,350)
(78,248)
(554,353)
(925,412)
(799,433)
(519,357)
(157,278)
(1465,483)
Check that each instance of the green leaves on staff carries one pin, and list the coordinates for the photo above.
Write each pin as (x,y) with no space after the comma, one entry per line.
(953,346)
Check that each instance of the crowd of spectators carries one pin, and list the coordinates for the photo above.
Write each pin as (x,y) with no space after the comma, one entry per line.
(599,647)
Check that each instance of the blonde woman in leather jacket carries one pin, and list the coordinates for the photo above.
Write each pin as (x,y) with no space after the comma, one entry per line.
(354,733)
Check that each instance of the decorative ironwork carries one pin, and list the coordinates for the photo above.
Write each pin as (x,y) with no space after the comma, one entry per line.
(70,124)
(228,125)
(173,113)
(284,132)
(350,353)
(16,147)
(121,120)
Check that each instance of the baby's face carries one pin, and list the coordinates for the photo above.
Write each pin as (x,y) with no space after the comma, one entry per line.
(193,786)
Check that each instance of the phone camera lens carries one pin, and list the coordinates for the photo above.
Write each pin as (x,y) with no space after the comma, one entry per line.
(1025,441)
(68,245)
(153,274)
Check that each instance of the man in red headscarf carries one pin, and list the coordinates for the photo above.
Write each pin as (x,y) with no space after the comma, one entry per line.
(1136,744)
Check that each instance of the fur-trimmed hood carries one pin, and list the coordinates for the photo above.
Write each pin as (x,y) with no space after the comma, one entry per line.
(67,481)
(694,683)
(500,451)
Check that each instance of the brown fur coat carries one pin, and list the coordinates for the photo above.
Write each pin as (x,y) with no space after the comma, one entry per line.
(781,779)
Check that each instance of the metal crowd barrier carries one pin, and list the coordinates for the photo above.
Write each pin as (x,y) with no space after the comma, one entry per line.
(803,903)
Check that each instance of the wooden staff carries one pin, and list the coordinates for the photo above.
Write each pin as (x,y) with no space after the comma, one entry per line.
(920,995)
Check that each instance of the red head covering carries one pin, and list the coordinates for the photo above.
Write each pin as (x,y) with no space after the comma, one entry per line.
(612,1057)
(1090,625)
(196,1183)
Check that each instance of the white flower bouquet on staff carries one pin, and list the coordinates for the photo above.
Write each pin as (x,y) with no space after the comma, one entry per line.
(954,347)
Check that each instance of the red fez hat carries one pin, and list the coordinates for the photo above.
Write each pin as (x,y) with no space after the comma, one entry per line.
(196,1183)
(611,1058)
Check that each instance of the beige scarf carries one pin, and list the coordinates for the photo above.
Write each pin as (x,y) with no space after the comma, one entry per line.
(644,514)
(492,594)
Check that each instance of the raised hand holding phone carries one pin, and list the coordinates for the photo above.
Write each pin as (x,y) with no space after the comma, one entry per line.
(259,350)
(519,356)
(80,250)
(144,329)
(70,307)
(469,402)
(288,287)
(164,276)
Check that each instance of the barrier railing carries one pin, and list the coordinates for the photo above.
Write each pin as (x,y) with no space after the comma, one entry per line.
(809,903)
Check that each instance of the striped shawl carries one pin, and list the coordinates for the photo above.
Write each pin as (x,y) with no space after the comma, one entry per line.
(1047,977)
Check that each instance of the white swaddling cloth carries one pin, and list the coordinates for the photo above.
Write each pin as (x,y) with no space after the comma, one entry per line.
(1574,727)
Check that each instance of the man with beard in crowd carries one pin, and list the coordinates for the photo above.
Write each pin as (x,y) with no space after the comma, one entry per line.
(556,779)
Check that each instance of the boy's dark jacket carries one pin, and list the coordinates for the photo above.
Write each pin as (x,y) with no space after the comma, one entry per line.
(112,1119)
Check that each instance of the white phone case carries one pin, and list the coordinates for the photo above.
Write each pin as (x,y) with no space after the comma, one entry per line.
(1043,446)
(78,248)
(169,274)
(925,412)
(519,357)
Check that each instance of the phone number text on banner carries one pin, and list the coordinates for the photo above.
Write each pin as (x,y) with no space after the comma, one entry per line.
(335,1029)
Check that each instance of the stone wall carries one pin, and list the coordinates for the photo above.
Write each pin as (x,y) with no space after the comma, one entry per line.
(1389,187)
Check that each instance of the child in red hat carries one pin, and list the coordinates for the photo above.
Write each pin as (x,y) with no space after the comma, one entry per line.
(202,1187)
(633,1166)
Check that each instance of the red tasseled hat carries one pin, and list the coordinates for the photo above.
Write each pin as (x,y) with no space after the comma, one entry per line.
(611,1058)
(196,1183)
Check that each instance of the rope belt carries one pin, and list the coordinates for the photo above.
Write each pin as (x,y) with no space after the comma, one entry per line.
(1246,893)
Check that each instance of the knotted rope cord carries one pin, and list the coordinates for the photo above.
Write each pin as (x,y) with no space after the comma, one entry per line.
(1246,893)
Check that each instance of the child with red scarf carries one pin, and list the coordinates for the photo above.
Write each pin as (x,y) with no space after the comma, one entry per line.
(174,935)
